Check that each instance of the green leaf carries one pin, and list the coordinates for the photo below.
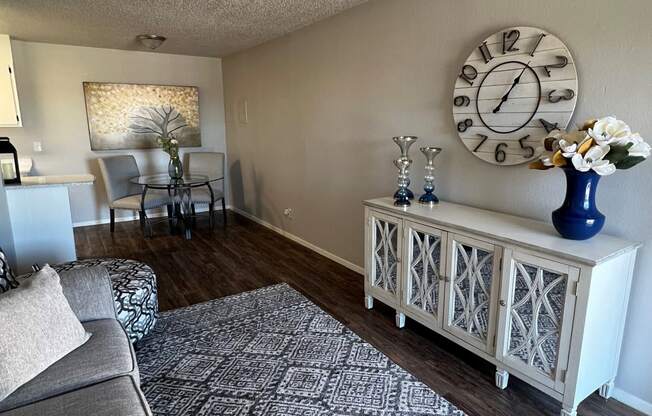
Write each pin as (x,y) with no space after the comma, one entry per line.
(617,154)
(629,162)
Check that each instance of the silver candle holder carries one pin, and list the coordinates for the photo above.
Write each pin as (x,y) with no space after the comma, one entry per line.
(401,196)
(429,198)
(404,143)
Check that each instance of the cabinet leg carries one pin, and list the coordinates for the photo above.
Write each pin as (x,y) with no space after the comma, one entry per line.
(569,411)
(607,389)
(368,302)
(502,377)
(400,319)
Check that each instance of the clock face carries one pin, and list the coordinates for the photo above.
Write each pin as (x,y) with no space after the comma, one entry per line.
(515,88)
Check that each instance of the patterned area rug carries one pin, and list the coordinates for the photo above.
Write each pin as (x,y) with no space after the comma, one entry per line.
(272,352)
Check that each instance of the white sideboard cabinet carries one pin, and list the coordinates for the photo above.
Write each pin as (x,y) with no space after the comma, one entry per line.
(549,311)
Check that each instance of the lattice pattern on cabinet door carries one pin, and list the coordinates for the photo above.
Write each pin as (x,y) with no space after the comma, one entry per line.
(424,271)
(385,257)
(471,290)
(536,313)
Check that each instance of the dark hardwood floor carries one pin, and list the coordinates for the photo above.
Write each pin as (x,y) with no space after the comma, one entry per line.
(246,256)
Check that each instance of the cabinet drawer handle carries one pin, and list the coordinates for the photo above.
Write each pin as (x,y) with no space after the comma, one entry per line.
(502,303)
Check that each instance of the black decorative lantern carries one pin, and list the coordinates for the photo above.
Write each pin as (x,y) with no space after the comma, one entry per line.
(9,161)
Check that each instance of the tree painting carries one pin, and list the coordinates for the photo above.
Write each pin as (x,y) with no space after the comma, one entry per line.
(163,121)
(133,116)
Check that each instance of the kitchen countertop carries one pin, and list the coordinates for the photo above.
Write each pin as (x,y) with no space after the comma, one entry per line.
(52,180)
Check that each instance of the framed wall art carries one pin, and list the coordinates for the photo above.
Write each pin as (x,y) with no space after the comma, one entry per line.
(132,116)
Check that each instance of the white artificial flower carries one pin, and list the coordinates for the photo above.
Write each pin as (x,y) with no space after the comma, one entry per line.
(639,146)
(568,150)
(594,159)
(174,141)
(610,130)
(546,161)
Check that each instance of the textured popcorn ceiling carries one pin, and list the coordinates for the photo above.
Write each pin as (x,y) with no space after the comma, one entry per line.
(193,27)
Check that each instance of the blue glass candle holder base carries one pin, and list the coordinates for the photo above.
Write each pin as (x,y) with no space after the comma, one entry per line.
(401,198)
(409,194)
(428,199)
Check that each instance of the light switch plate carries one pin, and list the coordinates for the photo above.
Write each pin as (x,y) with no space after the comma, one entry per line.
(243,112)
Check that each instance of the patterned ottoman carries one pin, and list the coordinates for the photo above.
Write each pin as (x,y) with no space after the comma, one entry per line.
(134,288)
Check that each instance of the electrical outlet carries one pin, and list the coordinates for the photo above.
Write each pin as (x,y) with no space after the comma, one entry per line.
(36,146)
(288,213)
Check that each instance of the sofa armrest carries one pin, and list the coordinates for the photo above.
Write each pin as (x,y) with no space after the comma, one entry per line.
(89,293)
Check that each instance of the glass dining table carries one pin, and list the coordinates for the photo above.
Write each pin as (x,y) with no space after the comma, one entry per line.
(180,190)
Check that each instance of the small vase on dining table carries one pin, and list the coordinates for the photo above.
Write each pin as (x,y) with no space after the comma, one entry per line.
(175,168)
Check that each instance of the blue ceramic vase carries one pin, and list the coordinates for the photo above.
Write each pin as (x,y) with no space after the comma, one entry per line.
(578,218)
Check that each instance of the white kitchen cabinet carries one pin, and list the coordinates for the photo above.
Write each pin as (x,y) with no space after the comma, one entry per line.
(9,106)
(544,309)
(41,225)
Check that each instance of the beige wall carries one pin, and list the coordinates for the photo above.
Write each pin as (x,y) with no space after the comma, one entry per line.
(49,79)
(324,102)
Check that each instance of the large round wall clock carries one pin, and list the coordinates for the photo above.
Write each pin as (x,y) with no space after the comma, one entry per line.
(516,87)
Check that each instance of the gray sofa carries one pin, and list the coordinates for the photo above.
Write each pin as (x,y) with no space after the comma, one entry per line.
(100,377)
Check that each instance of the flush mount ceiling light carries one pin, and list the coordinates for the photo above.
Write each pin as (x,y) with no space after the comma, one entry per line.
(151,41)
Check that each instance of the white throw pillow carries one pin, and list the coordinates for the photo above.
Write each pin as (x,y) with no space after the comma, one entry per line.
(38,329)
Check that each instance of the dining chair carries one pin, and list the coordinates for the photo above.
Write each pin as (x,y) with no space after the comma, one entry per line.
(123,194)
(211,164)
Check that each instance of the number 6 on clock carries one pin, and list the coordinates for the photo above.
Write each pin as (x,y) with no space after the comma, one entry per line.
(500,154)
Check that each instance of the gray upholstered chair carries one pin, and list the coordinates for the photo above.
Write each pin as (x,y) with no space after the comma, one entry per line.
(122,194)
(212,164)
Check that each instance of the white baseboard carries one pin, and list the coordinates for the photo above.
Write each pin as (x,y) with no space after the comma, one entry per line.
(301,241)
(134,217)
(632,401)
(284,233)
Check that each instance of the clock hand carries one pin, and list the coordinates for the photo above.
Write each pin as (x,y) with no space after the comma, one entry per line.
(516,81)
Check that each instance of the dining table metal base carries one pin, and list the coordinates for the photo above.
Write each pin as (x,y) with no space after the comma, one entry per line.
(183,210)
(179,190)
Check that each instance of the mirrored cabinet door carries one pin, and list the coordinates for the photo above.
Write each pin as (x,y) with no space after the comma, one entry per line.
(539,301)
(471,291)
(424,272)
(385,237)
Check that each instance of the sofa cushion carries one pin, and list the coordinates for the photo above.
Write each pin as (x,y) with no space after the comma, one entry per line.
(89,293)
(38,329)
(106,355)
(116,397)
